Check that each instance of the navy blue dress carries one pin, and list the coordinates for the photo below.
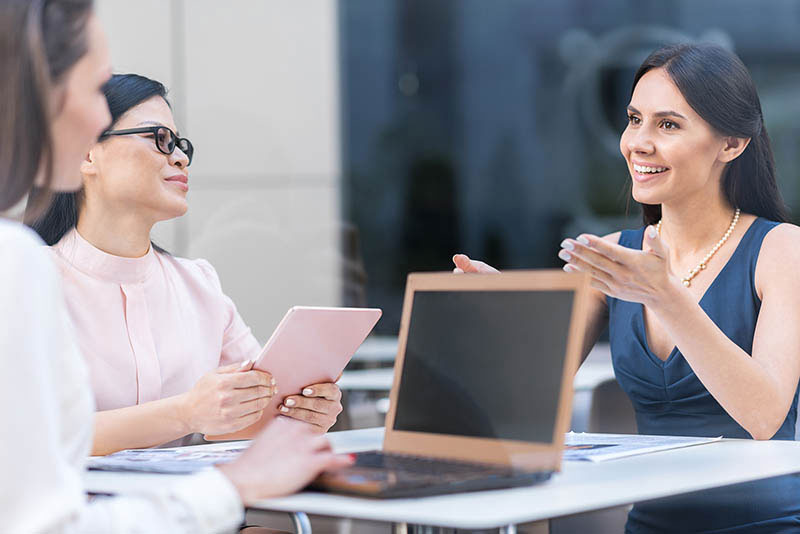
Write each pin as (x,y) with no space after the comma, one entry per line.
(669,399)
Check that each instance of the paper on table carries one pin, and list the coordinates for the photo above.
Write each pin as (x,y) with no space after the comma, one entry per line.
(176,461)
(602,447)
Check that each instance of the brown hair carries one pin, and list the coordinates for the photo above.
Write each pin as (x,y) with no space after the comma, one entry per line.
(40,40)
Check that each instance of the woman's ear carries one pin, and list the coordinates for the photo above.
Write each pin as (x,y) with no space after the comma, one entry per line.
(733,148)
(88,165)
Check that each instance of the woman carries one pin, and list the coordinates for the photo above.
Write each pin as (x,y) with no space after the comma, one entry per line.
(173,359)
(705,353)
(54,62)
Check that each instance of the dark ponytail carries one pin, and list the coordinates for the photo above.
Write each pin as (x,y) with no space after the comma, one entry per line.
(123,92)
(717,85)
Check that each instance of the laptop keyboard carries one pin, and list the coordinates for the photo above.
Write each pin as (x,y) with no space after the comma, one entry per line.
(426,466)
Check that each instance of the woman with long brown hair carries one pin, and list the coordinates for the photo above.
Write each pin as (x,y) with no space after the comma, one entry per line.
(53,65)
(702,303)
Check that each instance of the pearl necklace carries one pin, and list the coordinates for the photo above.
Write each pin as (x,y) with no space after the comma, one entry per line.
(687,280)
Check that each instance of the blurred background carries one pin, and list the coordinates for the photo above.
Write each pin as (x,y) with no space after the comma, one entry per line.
(343,144)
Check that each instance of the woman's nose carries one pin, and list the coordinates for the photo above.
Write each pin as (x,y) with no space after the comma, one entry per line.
(641,141)
(179,159)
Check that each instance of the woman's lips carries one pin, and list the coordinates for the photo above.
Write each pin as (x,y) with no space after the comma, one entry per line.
(645,172)
(181,180)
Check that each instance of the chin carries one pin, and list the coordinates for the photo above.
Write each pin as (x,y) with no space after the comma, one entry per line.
(644,196)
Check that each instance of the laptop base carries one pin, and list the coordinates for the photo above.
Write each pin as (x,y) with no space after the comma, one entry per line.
(388,476)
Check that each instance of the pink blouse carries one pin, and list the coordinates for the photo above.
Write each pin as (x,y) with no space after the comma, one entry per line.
(148,327)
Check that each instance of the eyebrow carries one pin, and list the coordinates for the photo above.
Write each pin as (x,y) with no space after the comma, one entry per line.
(154,123)
(659,113)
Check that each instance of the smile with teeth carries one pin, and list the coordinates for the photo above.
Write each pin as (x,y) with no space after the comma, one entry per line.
(648,170)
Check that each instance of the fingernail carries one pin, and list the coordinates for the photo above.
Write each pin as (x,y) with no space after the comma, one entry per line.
(284,409)
(568,268)
(564,255)
(289,402)
(272,381)
(308,391)
(652,232)
(567,244)
(582,240)
(245,363)
(275,390)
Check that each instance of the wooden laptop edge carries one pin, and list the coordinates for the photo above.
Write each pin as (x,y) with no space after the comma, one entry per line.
(518,454)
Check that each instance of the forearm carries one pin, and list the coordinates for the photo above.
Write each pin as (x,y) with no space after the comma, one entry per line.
(140,426)
(742,386)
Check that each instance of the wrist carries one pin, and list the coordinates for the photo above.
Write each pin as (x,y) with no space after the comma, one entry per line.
(184,413)
(668,297)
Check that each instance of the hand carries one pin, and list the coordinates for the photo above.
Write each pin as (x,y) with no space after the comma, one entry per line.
(466,265)
(642,276)
(227,399)
(281,460)
(319,405)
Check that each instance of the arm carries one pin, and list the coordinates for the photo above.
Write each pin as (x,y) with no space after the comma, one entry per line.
(45,409)
(223,400)
(756,390)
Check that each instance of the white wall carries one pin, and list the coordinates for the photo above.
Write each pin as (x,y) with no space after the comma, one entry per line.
(254,85)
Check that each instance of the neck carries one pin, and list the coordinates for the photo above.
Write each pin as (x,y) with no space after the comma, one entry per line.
(121,234)
(693,226)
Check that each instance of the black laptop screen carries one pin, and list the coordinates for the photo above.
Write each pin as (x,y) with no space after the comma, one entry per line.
(484,363)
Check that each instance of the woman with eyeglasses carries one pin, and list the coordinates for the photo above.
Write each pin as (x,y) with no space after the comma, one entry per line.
(168,354)
(54,63)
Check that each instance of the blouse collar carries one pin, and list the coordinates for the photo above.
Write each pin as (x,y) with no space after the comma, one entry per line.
(87,258)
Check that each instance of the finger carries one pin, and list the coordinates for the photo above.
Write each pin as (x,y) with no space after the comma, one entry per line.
(576,264)
(592,258)
(597,284)
(315,419)
(319,405)
(613,251)
(326,390)
(232,368)
(331,462)
(463,262)
(248,379)
(654,242)
(252,406)
(256,392)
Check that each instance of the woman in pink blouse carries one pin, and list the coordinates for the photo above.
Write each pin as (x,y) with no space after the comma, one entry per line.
(168,353)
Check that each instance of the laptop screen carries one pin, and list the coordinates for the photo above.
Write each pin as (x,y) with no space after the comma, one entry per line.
(484,364)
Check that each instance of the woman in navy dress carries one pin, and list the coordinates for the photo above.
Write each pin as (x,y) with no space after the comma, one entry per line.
(703,303)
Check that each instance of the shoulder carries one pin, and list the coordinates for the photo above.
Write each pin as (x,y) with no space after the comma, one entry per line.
(779,257)
(198,269)
(24,259)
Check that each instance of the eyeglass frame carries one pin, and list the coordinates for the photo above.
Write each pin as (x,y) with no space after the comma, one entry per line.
(154,130)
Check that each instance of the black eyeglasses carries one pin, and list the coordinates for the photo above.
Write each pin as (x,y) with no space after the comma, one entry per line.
(166,140)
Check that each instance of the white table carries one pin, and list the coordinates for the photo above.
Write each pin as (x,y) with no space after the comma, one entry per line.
(580,487)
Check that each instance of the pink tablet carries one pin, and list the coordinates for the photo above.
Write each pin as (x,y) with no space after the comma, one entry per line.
(310,346)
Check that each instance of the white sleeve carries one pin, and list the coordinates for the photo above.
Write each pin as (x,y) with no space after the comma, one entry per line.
(41,488)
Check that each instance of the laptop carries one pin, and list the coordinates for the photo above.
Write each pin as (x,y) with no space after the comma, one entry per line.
(482,387)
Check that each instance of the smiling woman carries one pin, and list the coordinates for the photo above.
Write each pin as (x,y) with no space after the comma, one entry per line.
(173,357)
(707,353)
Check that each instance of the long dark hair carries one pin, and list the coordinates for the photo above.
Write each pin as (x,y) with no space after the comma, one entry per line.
(122,92)
(40,41)
(717,85)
